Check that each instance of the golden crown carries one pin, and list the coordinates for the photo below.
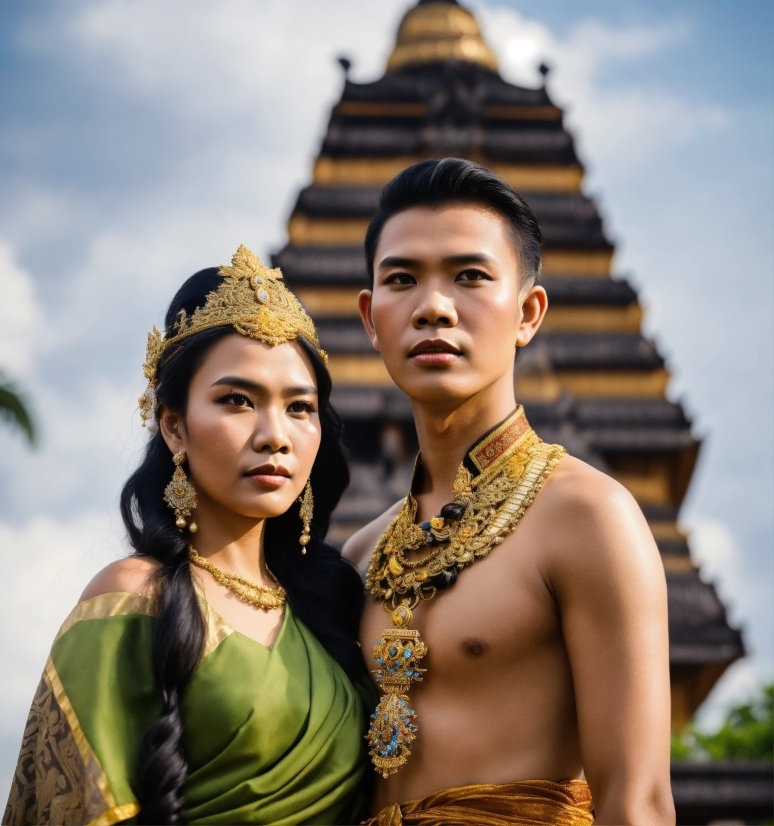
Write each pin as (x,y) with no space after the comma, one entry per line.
(252,299)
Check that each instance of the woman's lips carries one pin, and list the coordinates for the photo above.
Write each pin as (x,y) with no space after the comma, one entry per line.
(269,480)
(269,476)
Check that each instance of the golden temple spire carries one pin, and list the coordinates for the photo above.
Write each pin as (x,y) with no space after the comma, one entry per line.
(436,31)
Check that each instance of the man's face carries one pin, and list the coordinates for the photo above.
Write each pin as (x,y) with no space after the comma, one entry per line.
(449,304)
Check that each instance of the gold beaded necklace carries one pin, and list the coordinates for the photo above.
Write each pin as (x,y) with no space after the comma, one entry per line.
(259,596)
(501,475)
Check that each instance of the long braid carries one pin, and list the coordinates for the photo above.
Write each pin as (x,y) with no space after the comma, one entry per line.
(178,639)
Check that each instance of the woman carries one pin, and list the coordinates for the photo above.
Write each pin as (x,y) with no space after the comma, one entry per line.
(208,678)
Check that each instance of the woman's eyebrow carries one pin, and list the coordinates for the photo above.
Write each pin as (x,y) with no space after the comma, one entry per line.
(300,390)
(256,387)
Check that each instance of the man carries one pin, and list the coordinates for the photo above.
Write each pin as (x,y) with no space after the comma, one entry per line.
(524,645)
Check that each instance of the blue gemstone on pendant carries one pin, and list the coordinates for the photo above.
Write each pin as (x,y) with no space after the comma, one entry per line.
(407,655)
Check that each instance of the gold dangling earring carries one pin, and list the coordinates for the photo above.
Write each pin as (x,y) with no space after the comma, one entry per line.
(307,510)
(180,495)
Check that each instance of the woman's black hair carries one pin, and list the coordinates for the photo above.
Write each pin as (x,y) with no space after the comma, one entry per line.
(436,183)
(324,591)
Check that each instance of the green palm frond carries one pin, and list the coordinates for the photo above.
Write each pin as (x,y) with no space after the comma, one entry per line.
(14,410)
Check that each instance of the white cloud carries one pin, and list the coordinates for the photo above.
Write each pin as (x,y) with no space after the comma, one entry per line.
(222,58)
(718,554)
(19,314)
(740,684)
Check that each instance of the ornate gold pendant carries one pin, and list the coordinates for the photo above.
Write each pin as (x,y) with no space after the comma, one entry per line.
(392,731)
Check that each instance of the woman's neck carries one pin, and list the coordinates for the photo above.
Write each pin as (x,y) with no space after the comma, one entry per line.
(232,543)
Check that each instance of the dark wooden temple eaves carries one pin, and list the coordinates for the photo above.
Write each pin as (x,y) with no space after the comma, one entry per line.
(698,629)
(363,201)
(566,220)
(727,792)
(538,143)
(420,84)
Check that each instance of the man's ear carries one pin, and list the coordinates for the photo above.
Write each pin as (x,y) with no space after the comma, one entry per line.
(171,427)
(364,308)
(533,311)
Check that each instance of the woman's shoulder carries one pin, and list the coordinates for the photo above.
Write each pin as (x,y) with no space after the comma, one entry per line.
(132,575)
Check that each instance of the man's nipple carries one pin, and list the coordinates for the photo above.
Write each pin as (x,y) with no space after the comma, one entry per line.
(474,647)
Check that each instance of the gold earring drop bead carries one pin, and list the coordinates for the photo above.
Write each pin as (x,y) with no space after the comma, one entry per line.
(193,527)
(306,512)
(180,495)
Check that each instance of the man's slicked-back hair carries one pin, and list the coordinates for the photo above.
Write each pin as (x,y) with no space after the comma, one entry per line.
(437,183)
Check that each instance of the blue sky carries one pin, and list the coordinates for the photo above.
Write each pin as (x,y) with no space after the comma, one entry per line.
(140,141)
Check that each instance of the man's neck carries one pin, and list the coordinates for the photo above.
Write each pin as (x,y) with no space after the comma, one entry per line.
(446,433)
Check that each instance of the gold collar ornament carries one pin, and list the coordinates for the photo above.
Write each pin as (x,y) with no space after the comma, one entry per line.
(252,299)
(496,483)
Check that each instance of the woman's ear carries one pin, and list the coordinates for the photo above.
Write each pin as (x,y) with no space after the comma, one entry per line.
(171,427)
(533,311)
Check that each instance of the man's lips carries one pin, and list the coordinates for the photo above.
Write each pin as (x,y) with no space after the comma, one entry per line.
(434,352)
(270,476)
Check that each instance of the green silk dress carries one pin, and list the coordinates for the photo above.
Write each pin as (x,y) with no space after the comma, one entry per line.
(271,735)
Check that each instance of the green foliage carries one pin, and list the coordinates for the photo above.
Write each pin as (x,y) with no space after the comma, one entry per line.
(746,734)
(14,410)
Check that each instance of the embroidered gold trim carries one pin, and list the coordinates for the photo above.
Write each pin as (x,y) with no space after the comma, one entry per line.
(117,604)
(502,438)
(217,629)
(103,606)
(58,778)
(49,783)
(90,760)
(115,815)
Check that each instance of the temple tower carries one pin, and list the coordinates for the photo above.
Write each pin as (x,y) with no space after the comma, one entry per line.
(590,380)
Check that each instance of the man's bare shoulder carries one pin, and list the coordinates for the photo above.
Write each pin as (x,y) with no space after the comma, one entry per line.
(594,520)
(358,548)
(133,575)
(577,485)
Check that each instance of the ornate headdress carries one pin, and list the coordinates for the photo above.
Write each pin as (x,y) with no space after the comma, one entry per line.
(252,299)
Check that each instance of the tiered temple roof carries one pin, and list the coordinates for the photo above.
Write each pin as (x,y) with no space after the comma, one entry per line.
(590,380)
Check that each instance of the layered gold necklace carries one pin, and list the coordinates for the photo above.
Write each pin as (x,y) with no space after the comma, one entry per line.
(259,596)
(494,486)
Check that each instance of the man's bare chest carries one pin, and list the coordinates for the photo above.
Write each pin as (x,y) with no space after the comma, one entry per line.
(498,612)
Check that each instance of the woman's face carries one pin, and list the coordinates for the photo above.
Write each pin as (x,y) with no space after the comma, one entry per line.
(251,431)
